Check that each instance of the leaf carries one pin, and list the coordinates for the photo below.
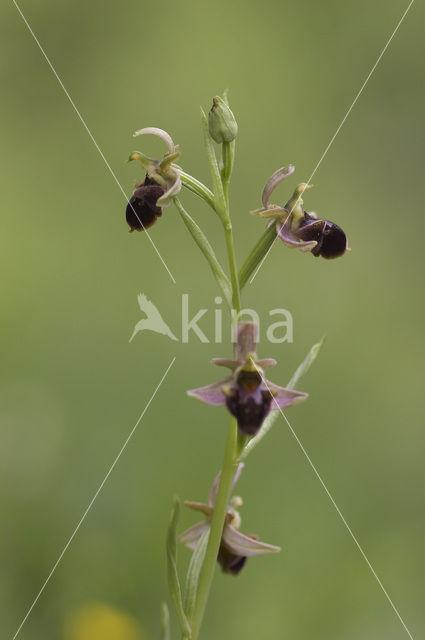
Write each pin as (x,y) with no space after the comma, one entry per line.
(204,245)
(193,573)
(173,578)
(257,255)
(305,364)
(165,622)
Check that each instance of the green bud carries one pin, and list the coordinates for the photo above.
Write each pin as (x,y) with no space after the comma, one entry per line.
(222,124)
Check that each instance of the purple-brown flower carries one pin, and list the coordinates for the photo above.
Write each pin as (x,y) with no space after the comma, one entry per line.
(297,228)
(235,546)
(246,393)
(161,184)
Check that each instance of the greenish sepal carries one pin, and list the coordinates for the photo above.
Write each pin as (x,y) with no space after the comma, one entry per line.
(173,578)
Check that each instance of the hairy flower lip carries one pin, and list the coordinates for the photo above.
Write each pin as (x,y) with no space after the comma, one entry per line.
(142,209)
(320,237)
(331,239)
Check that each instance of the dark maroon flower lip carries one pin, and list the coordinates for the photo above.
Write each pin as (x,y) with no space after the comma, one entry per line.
(230,562)
(142,210)
(331,239)
(249,401)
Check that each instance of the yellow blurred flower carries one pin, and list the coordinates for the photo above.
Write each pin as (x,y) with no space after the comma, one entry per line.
(102,622)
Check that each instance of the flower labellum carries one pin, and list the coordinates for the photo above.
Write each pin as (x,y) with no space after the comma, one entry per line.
(331,240)
(230,562)
(248,400)
(142,211)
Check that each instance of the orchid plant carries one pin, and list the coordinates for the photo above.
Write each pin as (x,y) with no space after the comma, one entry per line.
(252,401)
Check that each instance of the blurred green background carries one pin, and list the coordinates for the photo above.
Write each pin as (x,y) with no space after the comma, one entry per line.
(72,386)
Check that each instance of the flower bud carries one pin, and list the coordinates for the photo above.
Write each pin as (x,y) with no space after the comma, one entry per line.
(222,124)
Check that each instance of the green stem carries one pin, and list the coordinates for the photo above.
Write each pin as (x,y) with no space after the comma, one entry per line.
(257,255)
(230,463)
(207,573)
(228,158)
(236,298)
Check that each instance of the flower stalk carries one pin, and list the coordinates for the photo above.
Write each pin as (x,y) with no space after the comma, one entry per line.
(252,401)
